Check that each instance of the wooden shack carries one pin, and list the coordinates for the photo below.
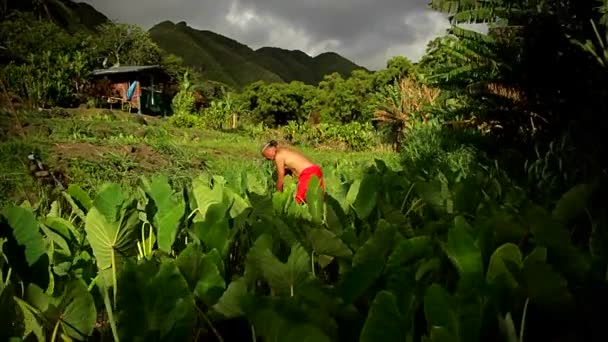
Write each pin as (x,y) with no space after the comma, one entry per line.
(142,89)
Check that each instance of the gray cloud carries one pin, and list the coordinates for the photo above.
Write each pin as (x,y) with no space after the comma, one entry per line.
(367,32)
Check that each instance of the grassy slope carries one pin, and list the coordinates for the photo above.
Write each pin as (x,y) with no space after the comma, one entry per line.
(95,146)
(228,61)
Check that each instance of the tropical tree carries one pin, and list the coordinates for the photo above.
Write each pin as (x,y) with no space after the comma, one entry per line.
(126,44)
(401,104)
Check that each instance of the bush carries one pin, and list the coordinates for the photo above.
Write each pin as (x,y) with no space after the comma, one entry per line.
(432,148)
(355,135)
(186,121)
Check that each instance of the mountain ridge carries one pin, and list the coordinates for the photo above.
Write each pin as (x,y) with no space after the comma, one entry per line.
(241,65)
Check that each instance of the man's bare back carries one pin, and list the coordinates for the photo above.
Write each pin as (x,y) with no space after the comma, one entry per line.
(291,160)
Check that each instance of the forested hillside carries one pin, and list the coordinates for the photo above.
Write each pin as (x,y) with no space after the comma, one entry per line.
(225,60)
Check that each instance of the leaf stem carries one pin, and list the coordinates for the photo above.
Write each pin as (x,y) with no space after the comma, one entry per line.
(523,321)
(312,262)
(204,316)
(54,337)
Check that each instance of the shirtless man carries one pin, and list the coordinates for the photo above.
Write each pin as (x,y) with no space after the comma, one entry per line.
(298,164)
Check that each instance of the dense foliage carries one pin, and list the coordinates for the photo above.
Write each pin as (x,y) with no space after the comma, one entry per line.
(385,256)
(494,229)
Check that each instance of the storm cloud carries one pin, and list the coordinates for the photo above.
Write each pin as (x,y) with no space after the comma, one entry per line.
(365,31)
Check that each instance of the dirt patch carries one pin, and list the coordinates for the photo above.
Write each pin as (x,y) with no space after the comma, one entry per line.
(147,158)
(143,155)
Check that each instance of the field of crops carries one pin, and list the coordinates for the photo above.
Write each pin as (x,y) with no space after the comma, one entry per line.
(385,255)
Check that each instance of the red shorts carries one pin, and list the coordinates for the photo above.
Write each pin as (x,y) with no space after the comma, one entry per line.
(303,180)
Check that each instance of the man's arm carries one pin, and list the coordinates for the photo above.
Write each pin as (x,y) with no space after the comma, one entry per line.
(280,162)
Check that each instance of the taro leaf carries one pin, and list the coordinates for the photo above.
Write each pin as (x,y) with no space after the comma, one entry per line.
(57,239)
(545,286)
(170,209)
(440,314)
(410,250)
(216,232)
(109,226)
(324,242)
(274,325)
(281,201)
(26,232)
(549,232)
(384,321)
(573,203)
(431,193)
(314,200)
(366,195)
(538,254)
(229,304)
(427,267)
(36,297)
(201,273)
(155,302)
(282,277)
(80,197)
(206,196)
(464,253)
(31,323)
(368,264)
(78,313)
(238,203)
(502,262)
(63,227)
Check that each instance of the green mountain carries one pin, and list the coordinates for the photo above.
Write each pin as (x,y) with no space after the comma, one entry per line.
(228,61)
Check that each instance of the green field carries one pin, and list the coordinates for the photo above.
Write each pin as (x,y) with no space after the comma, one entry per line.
(91,147)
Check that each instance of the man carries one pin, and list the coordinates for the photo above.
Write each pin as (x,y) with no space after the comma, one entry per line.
(289,160)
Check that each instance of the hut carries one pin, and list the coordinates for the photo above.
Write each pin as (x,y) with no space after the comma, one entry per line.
(139,88)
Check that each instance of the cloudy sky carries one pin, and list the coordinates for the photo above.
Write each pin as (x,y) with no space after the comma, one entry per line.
(365,31)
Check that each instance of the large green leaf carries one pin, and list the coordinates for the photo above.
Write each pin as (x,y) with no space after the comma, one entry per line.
(26,232)
(366,195)
(314,200)
(368,264)
(229,304)
(282,277)
(169,210)
(56,240)
(324,242)
(63,227)
(155,303)
(78,313)
(238,204)
(544,286)
(573,203)
(440,314)
(201,273)
(206,196)
(109,225)
(215,232)
(502,262)
(279,322)
(384,321)
(31,323)
(80,197)
(463,252)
